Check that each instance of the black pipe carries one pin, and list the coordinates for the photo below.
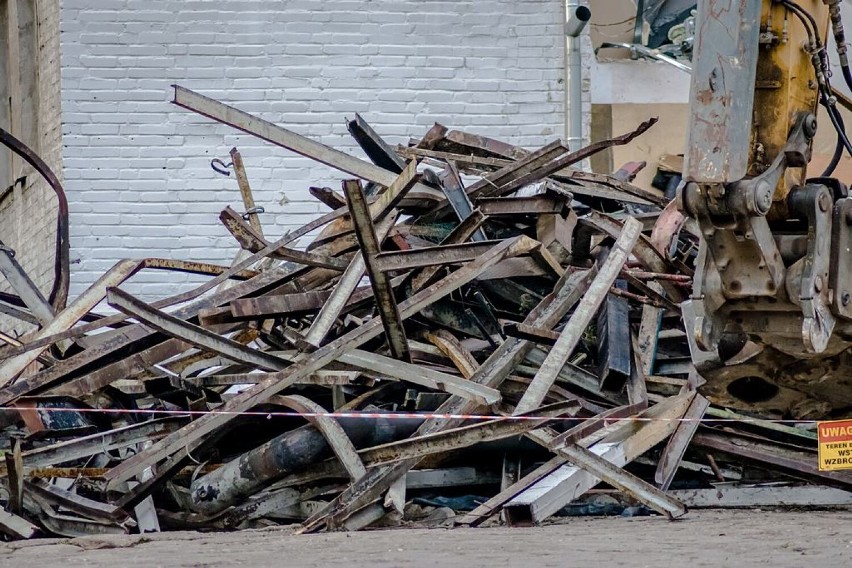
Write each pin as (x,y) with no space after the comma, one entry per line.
(288,453)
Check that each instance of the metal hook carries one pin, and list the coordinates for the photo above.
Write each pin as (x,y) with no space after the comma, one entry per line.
(252,211)
(221,167)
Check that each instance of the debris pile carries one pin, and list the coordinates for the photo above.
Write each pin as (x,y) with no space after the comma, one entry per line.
(477,332)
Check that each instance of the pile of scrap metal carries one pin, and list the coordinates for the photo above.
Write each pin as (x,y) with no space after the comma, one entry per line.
(479,332)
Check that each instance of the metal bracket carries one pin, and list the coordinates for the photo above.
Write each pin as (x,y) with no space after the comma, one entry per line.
(813,202)
(840,273)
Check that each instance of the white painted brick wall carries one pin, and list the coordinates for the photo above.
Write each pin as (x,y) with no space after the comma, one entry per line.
(137,168)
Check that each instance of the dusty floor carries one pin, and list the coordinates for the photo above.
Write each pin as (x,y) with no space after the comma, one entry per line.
(703,538)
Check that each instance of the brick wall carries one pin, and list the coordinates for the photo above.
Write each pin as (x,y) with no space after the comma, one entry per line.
(138,169)
(28,216)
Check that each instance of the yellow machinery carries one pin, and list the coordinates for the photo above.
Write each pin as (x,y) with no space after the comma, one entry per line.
(775,262)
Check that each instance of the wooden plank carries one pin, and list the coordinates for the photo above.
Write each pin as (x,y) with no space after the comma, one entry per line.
(580,319)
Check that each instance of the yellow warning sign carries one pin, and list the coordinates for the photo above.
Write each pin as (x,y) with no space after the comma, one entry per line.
(835,444)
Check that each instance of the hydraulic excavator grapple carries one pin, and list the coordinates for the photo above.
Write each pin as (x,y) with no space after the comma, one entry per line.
(773,281)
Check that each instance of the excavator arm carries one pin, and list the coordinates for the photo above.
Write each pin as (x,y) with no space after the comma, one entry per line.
(776,245)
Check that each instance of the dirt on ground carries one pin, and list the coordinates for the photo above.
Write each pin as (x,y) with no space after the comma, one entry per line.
(703,538)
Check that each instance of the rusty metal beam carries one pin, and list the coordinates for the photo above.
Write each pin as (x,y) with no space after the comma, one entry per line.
(345,288)
(789,459)
(580,319)
(564,160)
(396,261)
(245,191)
(190,333)
(69,316)
(26,289)
(534,162)
(331,430)
(280,136)
(453,188)
(610,187)
(328,196)
(74,449)
(420,375)
(624,481)
(491,373)
(133,335)
(531,333)
(676,447)
(462,437)
(461,233)
(253,241)
(619,445)
(395,192)
(279,304)
(535,205)
(385,301)
(176,444)
(17,527)
(379,152)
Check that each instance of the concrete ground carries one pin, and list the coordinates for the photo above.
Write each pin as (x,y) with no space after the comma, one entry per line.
(712,538)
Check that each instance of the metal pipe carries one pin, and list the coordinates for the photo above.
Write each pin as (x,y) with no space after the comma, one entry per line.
(576,18)
(288,453)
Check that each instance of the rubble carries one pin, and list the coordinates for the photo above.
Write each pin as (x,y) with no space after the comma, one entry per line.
(472,318)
